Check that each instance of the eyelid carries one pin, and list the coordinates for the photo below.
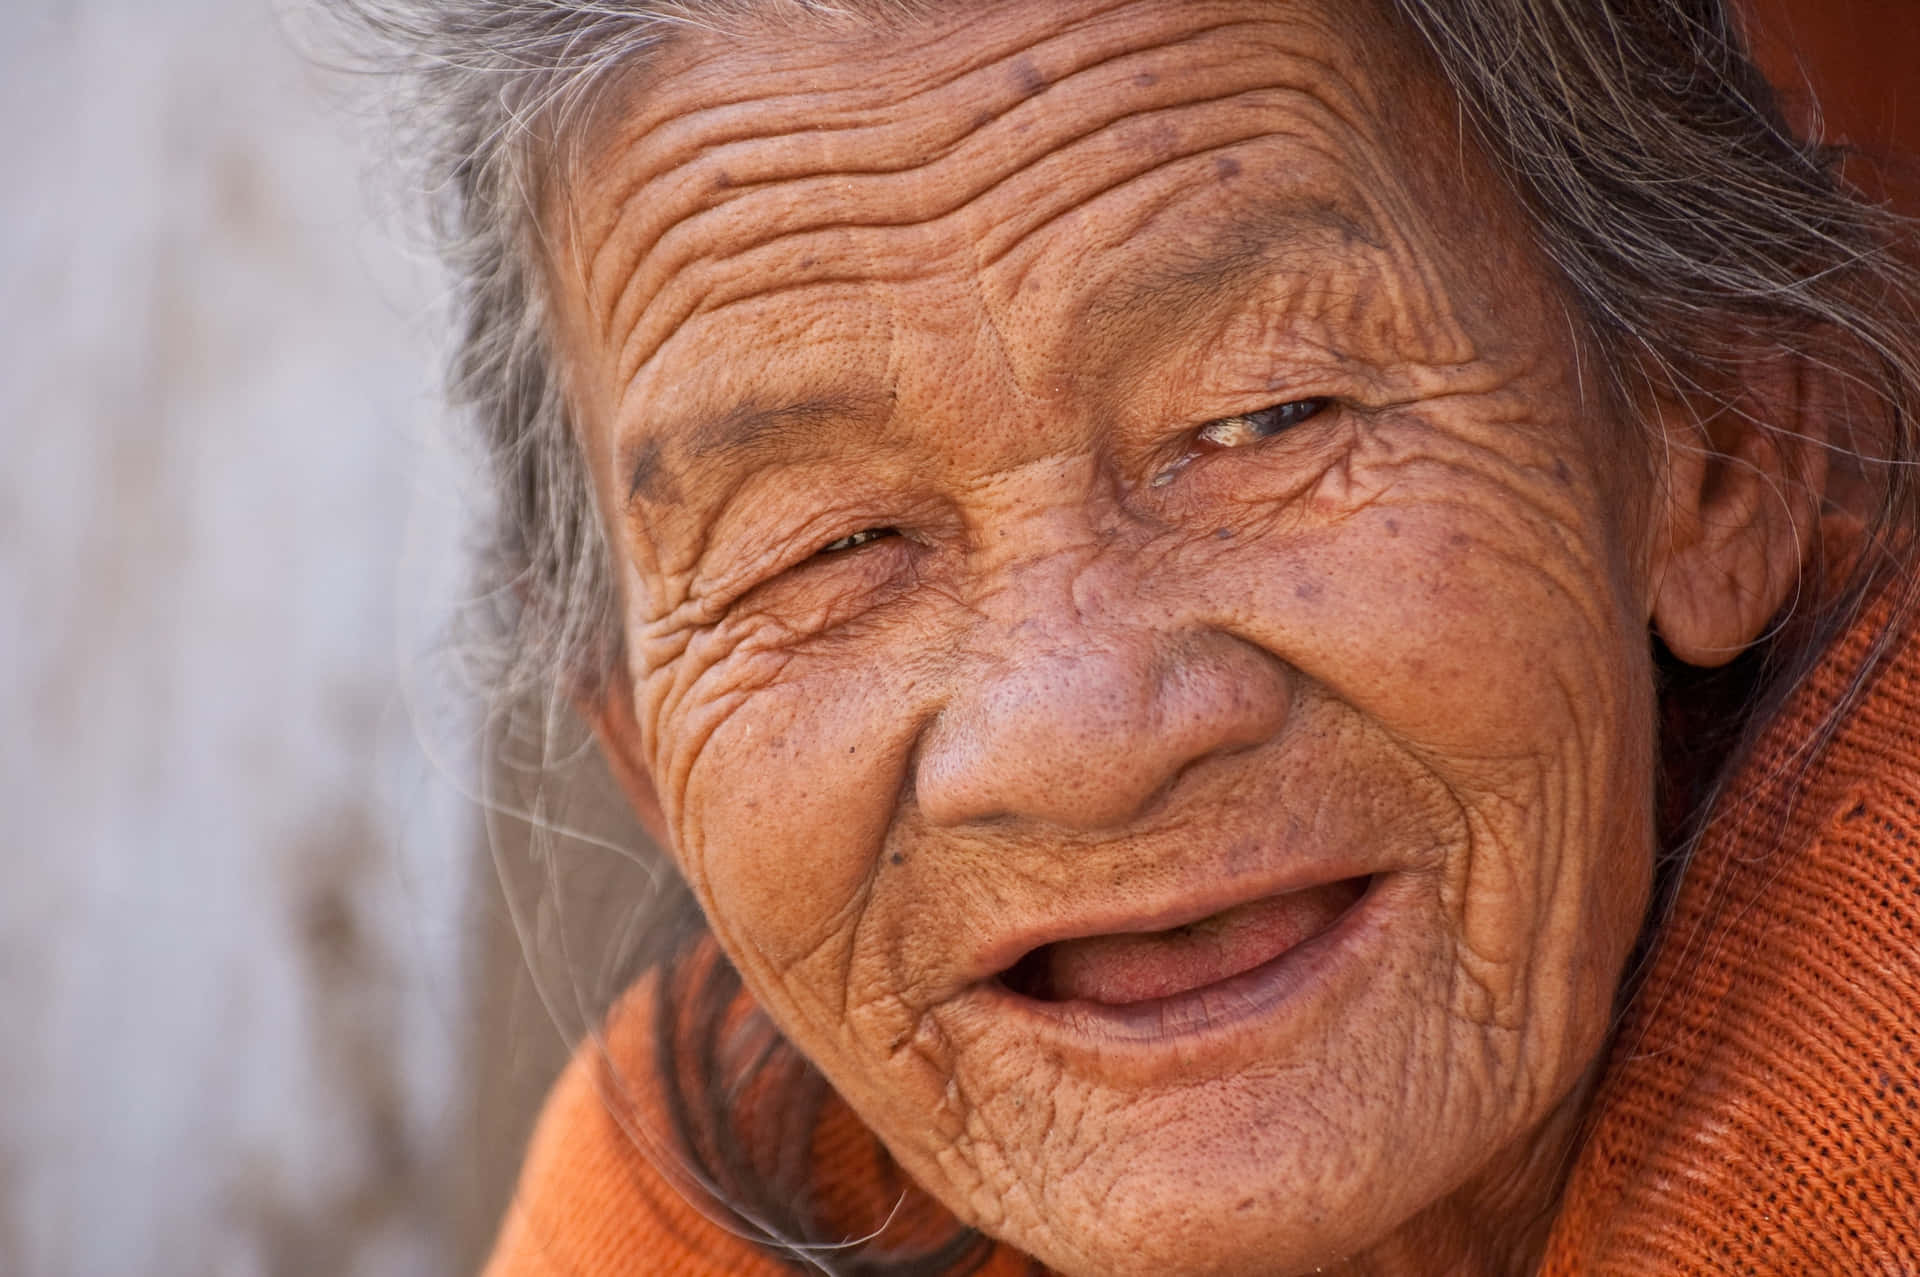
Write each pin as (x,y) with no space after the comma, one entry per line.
(781,556)
(854,540)
(1248,427)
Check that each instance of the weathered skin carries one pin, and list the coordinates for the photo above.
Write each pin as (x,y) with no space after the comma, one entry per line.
(984,282)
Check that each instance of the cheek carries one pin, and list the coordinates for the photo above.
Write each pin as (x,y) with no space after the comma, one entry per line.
(1476,615)
(1466,603)
(789,776)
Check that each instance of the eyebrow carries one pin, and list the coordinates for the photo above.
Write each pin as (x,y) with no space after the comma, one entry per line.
(751,427)
(1182,283)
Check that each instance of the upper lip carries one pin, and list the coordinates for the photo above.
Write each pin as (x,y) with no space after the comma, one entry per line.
(1131,915)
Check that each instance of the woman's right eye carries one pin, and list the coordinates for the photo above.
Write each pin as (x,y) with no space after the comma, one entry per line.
(857,540)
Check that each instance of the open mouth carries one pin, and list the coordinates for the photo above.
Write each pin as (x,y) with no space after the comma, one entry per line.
(1128,968)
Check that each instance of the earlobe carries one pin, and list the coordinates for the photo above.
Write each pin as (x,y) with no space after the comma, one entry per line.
(608,709)
(1740,511)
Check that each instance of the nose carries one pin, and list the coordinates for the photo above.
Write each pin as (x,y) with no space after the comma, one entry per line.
(1076,712)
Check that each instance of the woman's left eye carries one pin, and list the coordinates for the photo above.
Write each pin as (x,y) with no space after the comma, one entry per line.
(858,539)
(1251,427)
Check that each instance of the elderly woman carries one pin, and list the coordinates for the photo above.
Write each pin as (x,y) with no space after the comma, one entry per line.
(1269,636)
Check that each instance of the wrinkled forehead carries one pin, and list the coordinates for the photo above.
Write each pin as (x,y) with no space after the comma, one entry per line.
(796,186)
(973,127)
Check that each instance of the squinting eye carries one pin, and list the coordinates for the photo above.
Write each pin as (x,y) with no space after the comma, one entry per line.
(858,539)
(1251,427)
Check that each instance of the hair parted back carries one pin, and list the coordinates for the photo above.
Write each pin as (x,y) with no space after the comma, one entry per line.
(1695,229)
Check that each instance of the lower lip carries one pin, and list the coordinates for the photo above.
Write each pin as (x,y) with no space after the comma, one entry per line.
(1214,1011)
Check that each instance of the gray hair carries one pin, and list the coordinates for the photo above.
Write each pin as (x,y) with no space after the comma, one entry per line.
(1691,224)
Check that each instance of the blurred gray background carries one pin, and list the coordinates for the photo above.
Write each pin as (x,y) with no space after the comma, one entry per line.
(261,1012)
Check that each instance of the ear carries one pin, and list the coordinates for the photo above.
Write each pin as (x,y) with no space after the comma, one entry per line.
(608,709)
(1744,489)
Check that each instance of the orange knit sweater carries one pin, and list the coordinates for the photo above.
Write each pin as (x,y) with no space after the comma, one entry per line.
(1759,1112)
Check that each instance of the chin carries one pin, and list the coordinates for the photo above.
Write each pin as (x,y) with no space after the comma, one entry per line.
(1287,1119)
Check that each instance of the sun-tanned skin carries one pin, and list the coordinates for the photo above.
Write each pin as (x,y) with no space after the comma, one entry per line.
(1365,685)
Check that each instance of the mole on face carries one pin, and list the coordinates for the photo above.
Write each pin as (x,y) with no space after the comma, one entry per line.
(1029,77)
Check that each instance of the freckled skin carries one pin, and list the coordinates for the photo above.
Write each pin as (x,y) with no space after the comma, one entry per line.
(980,282)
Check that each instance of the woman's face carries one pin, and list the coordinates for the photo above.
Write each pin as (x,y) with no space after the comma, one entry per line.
(1135,604)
